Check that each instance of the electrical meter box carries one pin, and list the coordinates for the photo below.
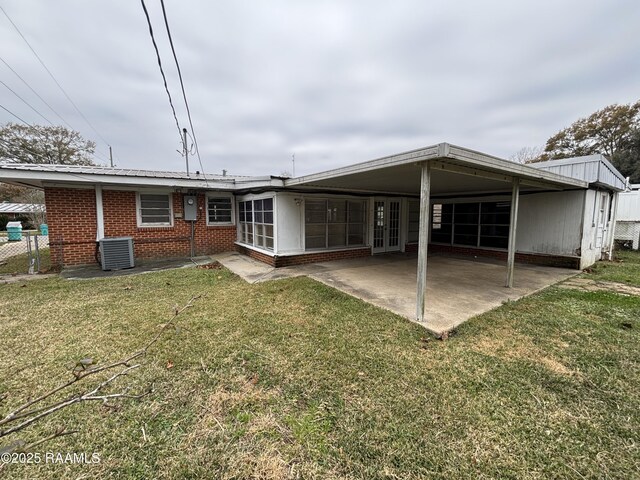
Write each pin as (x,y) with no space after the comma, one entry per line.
(190,208)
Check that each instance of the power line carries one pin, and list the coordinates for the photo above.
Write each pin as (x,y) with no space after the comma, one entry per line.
(11,113)
(36,93)
(184,94)
(25,102)
(53,77)
(164,78)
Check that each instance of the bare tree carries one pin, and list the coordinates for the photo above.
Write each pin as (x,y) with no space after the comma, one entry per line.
(527,155)
(37,214)
(49,403)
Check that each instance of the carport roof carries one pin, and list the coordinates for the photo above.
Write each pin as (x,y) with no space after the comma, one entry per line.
(455,170)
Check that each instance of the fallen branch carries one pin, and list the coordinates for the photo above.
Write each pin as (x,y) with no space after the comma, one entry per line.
(24,415)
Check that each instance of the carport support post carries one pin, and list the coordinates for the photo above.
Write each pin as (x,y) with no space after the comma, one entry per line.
(513,220)
(423,240)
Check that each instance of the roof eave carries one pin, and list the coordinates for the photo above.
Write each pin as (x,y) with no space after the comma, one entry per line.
(444,151)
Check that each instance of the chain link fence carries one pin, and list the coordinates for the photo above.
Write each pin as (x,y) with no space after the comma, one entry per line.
(627,235)
(28,254)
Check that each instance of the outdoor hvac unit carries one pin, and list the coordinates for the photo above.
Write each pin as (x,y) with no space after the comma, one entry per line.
(116,253)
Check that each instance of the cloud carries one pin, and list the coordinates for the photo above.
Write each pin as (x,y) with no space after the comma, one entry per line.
(333,82)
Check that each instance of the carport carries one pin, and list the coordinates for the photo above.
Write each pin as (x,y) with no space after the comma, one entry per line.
(441,171)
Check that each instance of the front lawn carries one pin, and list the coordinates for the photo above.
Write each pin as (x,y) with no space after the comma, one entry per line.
(293,379)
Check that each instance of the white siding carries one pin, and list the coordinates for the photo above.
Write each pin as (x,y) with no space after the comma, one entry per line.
(550,223)
(290,210)
(629,206)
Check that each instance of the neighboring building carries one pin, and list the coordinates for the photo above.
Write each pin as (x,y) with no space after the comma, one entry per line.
(628,217)
(471,204)
(30,214)
(16,210)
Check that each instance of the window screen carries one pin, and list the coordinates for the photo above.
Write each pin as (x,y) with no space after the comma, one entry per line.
(219,210)
(155,209)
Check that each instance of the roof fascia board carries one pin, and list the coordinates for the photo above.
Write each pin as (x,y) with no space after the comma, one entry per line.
(445,151)
(18,175)
(413,156)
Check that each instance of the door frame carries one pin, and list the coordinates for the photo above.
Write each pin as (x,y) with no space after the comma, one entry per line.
(386,212)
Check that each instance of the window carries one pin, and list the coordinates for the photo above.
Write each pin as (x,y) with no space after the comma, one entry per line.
(494,224)
(334,223)
(256,223)
(441,222)
(154,209)
(219,210)
(484,224)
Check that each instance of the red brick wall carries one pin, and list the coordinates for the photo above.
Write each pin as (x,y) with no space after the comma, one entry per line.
(71,214)
(286,261)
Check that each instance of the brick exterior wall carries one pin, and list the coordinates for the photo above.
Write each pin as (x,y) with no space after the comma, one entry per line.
(71,215)
(532,258)
(305,258)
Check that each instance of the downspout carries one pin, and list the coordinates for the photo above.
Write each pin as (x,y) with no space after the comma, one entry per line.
(99,222)
(614,221)
(99,214)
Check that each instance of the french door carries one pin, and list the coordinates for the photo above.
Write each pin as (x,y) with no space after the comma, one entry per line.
(386,225)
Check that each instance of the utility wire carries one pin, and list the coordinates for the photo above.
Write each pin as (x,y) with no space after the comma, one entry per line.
(164,78)
(102,157)
(36,93)
(11,113)
(184,94)
(53,77)
(25,102)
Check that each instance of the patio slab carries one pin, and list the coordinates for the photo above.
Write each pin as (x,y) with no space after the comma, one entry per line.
(458,288)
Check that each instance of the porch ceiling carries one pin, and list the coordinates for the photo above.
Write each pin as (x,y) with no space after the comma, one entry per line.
(455,170)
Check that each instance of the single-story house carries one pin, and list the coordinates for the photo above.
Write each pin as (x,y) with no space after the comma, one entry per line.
(440,198)
(628,217)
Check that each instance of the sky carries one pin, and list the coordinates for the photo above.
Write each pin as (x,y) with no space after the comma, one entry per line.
(333,82)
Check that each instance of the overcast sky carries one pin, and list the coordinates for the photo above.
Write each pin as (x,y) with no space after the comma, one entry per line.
(335,82)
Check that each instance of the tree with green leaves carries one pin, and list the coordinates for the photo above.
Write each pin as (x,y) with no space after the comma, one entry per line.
(604,131)
(627,157)
(44,144)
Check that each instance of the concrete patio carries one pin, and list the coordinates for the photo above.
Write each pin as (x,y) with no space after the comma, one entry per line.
(457,288)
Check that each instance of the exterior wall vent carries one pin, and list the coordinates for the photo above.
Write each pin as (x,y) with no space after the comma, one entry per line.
(116,253)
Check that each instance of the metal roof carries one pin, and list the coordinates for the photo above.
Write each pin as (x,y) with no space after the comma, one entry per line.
(6,207)
(39,175)
(595,169)
(125,172)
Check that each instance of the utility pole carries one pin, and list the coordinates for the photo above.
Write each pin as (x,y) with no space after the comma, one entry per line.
(186,149)
(293,161)
(110,156)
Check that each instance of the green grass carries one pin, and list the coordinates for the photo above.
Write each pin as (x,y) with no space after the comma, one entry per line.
(19,264)
(625,268)
(293,379)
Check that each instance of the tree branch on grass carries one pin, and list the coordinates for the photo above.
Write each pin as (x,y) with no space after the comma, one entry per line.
(34,410)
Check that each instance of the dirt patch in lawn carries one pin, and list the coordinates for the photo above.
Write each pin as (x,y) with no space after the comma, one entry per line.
(508,345)
(589,285)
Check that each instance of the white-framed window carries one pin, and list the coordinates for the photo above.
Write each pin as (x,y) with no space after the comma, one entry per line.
(256,222)
(154,209)
(220,209)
